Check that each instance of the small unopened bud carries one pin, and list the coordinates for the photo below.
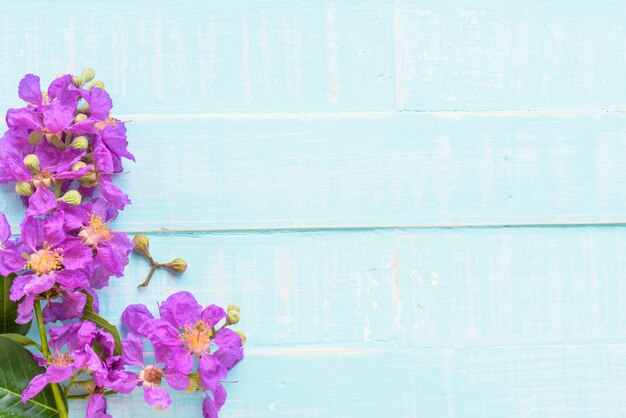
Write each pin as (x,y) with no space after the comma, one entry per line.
(32,163)
(242,336)
(89,179)
(72,197)
(232,318)
(80,117)
(96,84)
(80,143)
(142,244)
(35,137)
(178,265)
(194,382)
(232,307)
(78,165)
(84,108)
(23,188)
(77,81)
(87,75)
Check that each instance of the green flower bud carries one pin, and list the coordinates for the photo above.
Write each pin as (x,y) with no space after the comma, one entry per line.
(232,318)
(23,188)
(87,75)
(80,117)
(78,165)
(77,81)
(84,108)
(232,307)
(178,265)
(80,143)
(72,197)
(142,245)
(242,336)
(35,137)
(89,179)
(32,163)
(194,382)
(96,84)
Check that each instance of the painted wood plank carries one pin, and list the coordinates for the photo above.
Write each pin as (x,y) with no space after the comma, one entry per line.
(420,288)
(510,55)
(207,57)
(552,381)
(408,169)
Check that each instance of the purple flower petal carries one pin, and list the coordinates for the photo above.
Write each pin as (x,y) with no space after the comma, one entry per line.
(134,316)
(25,310)
(57,117)
(35,386)
(75,254)
(97,407)
(157,397)
(58,374)
(180,309)
(24,118)
(41,202)
(212,314)
(211,372)
(29,89)
(72,306)
(209,410)
(219,396)
(10,262)
(100,103)
(132,349)
(112,193)
(5,229)
(177,381)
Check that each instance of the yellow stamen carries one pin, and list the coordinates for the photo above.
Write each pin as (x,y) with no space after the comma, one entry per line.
(197,337)
(45,260)
(96,231)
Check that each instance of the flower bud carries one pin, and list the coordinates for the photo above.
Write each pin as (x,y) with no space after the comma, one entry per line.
(96,84)
(232,307)
(78,165)
(72,197)
(194,382)
(87,75)
(77,81)
(23,188)
(89,179)
(32,163)
(80,143)
(80,117)
(178,265)
(242,336)
(232,318)
(84,108)
(35,137)
(142,244)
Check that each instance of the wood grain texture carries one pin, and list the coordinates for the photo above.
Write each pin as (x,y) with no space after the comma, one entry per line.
(364,161)
(407,169)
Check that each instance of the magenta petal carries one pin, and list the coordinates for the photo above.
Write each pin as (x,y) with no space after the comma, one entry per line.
(97,407)
(134,316)
(5,229)
(10,262)
(213,314)
(219,396)
(25,310)
(100,104)
(71,306)
(112,193)
(177,381)
(209,409)
(75,254)
(211,371)
(35,386)
(29,89)
(157,397)
(180,309)
(40,284)
(132,348)
(42,201)
(58,117)
(57,374)
(24,118)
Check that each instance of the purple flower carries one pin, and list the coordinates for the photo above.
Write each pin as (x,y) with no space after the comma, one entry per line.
(97,407)
(150,375)
(48,257)
(78,337)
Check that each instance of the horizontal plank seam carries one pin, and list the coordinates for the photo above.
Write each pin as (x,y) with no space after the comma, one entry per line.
(147,117)
(348,228)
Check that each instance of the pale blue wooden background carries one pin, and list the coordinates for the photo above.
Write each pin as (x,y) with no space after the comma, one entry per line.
(420,206)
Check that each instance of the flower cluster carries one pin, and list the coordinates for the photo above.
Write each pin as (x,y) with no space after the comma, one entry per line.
(62,151)
(183,339)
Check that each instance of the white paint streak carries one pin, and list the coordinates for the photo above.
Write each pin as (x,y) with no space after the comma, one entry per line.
(157,66)
(245,61)
(333,50)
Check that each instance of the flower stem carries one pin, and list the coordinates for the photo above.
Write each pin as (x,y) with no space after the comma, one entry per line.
(70,384)
(57,190)
(86,395)
(152,270)
(56,389)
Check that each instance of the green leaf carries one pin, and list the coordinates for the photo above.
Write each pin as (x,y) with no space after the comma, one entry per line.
(90,315)
(8,309)
(21,340)
(17,368)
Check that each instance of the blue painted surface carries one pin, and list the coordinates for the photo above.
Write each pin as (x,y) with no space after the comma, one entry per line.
(420,206)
